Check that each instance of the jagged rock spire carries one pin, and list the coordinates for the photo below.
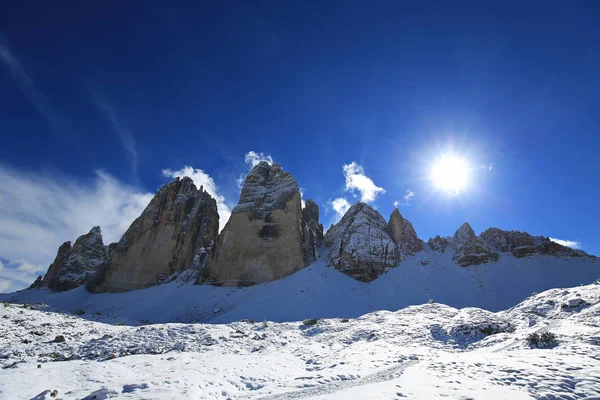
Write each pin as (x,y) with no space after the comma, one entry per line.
(76,265)
(164,239)
(264,237)
(404,234)
(360,244)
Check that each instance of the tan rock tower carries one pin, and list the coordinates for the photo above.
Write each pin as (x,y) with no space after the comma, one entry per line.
(263,239)
(164,239)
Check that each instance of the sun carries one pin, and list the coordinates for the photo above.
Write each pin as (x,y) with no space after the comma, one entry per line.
(450,173)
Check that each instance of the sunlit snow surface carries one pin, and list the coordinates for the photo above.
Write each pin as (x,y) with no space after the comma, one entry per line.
(425,351)
(421,351)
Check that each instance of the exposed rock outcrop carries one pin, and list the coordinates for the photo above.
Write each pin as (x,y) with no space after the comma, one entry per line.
(312,231)
(522,244)
(471,250)
(76,265)
(360,244)
(404,234)
(263,239)
(438,243)
(164,239)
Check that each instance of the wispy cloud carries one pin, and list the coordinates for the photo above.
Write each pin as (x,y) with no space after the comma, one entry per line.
(396,203)
(574,244)
(252,158)
(409,195)
(356,180)
(201,178)
(125,136)
(302,190)
(41,211)
(488,167)
(340,206)
(27,85)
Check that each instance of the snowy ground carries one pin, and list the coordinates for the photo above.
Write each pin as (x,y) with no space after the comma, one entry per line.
(419,352)
(323,292)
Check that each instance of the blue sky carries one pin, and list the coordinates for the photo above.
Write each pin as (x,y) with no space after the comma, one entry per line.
(355,99)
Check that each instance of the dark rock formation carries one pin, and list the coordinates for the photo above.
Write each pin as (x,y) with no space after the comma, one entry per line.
(471,250)
(438,243)
(312,231)
(360,244)
(77,265)
(522,244)
(164,239)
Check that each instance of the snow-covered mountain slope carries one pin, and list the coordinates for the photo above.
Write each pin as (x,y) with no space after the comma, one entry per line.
(323,292)
(419,352)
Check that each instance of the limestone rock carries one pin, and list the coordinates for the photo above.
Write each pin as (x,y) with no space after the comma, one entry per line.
(262,241)
(164,239)
(438,243)
(522,244)
(404,234)
(77,265)
(312,231)
(471,250)
(360,244)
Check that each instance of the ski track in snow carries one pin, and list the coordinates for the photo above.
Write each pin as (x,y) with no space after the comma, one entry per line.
(380,376)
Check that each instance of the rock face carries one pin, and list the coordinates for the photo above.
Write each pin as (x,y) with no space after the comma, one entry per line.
(471,250)
(164,239)
(522,244)
(438,243)
(312,231)
(360,244)
(264,239)
(76,265)
(474,250)
(404,234)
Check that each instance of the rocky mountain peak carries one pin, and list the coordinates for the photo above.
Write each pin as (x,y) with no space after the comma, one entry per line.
(522,244)
(76,265)
(463,234)
(310,212)
(264,238)
(164,239)
(312,231)
(404,234)
(267,187)
(438,243)
(360,244)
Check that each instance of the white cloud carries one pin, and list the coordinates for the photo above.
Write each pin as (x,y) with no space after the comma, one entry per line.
(41,211)
(340,206)
(253,158)
(357,180)
(569,243)
(487,167)
(201,178)
(409,195)
(396,203)
(302,190)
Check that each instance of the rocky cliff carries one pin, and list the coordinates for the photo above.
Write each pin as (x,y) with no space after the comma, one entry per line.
(264,239)
(470,249)
(404,234)
(164,239)
(76,265)
(312,232)
(522,244)
(360,244)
